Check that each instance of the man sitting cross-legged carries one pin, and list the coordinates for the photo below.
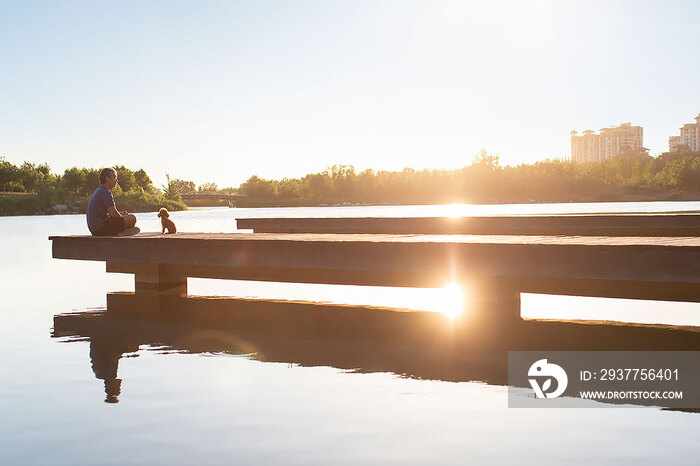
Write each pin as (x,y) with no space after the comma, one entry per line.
(103,218)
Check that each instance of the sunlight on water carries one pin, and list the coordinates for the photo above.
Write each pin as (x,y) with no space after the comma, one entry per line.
(448,300)
(536,306)
(453,300)
(455,210)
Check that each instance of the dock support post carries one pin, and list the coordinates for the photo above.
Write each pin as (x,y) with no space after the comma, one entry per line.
(155,279)
(152,281)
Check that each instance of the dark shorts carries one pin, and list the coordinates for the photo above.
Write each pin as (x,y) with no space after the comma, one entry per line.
(111,228)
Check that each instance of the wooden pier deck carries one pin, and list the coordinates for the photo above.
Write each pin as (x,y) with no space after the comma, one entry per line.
(578,225)
(495,268)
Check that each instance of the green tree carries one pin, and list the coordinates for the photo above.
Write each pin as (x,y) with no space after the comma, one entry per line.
(183,187)
(29,176)
(257,187)
(289,188)
(127,179)
(8,173)
(342,180)
(92,181)
(207,188)
(144,181)
(681,173)
(170,190)
(317,186)
(485,160)
(73,180)
(44,169)
(15,187)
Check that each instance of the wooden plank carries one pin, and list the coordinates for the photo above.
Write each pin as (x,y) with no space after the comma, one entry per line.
(663,291)
(590,265)
(588,225)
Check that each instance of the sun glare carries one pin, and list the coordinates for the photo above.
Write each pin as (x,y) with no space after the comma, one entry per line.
(452,300)
(455,210)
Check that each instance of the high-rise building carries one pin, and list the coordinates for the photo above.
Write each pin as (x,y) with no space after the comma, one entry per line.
(608,143)
(674,143)
(689,138)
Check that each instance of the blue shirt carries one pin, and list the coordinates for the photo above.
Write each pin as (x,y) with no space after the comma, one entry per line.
(97,207)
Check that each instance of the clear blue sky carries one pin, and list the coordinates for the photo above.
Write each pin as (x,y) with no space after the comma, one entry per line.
(221,90)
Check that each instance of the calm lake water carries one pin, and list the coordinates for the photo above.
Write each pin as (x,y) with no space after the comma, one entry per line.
(210,396)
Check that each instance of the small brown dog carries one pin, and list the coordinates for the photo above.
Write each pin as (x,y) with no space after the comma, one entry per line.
(165,221)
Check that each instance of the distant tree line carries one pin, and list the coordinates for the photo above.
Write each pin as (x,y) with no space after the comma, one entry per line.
(483,180)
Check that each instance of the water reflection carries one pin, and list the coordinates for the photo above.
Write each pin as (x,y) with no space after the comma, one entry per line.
(424,345)
(105,356)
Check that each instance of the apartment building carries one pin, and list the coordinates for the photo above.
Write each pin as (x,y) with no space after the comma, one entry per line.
(689,138)
(608,143)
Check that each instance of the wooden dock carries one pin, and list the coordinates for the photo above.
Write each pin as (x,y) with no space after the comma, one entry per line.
(577,225)
(496,269)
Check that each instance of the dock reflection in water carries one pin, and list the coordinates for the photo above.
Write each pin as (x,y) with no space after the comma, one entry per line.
(419,344)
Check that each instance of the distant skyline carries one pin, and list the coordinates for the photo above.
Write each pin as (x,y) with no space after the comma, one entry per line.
(221,90)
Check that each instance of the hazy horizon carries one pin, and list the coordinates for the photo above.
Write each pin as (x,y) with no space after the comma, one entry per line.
(221,90)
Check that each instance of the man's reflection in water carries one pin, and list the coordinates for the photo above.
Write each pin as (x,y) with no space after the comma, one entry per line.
(105,356)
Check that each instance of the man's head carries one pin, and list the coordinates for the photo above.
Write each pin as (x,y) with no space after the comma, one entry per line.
(108,178)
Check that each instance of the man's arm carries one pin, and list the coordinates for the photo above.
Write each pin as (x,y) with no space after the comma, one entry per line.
(113,212)
(109,205)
